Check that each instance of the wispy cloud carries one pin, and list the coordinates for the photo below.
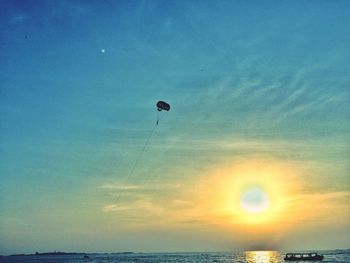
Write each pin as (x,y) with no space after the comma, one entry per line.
(127,187)
(18,19)
(141,206)
(122,187)
(113,207)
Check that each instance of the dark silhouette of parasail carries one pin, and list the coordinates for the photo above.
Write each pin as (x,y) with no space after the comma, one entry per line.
(162,105)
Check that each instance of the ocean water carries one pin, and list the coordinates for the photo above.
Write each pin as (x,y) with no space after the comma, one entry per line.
(243,257)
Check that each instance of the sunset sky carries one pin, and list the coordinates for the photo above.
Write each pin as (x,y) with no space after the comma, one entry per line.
(254,153)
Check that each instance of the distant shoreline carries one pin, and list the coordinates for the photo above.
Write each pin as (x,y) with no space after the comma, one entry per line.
(58,253)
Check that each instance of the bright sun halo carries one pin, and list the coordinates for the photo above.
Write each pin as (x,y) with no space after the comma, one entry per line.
(254,201)
(251,192)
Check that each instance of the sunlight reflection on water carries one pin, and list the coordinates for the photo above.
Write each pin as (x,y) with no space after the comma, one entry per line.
(261,256)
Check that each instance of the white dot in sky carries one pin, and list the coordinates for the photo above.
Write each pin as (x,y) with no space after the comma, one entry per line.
(254,201)
(103,50)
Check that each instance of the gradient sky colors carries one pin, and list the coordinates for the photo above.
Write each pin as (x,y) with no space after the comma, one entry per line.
(260,100)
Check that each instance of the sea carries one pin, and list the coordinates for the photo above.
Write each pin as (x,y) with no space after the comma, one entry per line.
(239,257)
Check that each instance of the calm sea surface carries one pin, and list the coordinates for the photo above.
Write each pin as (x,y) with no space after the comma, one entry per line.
(244,257)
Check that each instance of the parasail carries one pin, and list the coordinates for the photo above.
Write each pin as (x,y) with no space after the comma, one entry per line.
(162,105)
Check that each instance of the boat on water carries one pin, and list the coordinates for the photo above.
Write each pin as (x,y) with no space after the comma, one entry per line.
(303,257)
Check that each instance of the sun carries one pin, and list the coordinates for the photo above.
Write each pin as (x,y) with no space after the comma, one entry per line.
(254,201)
(251,192)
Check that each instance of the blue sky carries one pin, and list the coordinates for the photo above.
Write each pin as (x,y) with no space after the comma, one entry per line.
(245,81)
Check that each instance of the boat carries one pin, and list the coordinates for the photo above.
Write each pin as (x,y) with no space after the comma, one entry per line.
(303,257)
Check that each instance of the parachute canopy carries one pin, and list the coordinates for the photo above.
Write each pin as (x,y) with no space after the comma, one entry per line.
(162,105)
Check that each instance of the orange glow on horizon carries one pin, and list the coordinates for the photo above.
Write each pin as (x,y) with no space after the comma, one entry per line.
(225,189)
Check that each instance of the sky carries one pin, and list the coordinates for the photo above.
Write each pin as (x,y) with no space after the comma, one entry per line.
(253,154)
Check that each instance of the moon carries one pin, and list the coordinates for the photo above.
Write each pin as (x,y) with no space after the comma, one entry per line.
(254,201)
